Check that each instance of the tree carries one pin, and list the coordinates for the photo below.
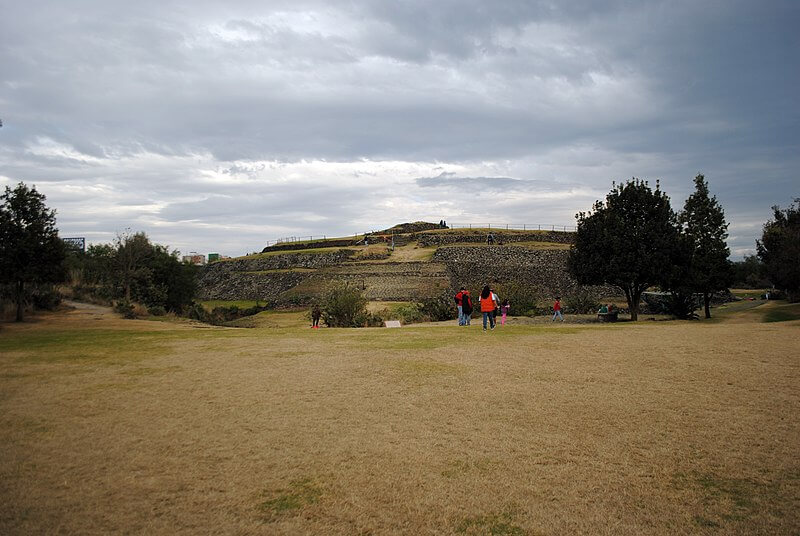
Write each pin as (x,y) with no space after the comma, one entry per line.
(704,224)
(171,284)
(749,273)
(31,253)
(779,249)
(130,260)
(629,241)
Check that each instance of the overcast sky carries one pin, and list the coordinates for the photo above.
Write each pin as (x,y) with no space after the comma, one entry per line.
(216,126)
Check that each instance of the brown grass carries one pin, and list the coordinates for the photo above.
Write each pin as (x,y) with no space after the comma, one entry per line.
(112,426)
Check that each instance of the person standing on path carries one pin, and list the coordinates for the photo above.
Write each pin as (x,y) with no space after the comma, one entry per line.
(557,309)
(488,304)
(504,311)
(459,303)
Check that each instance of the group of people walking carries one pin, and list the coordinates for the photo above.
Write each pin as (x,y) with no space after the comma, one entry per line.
(490,305)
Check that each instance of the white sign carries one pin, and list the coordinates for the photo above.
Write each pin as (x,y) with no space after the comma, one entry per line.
(392,323)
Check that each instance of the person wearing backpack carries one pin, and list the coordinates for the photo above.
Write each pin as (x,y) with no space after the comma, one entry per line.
(466,307)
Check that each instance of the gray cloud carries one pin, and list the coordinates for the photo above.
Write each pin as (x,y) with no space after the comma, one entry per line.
(204,117)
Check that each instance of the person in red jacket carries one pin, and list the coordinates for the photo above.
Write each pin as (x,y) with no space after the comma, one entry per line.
(557,309)
(466,307)
(459,303)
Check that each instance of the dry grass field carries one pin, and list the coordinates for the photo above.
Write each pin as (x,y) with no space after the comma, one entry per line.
(144,427)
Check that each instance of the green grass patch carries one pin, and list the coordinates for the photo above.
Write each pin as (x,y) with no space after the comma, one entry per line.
(241,304)
(783,313)
(112,346)
(485,230)
(309,251)
(744,293)
(726,499)
(285,502)
(495,524)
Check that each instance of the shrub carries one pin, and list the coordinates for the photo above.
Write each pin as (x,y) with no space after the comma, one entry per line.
(524,300)
(125,309)
(407,313)
(45,297)
(345,306)
(438,308)
(682,304)
(581,301)
(157,310)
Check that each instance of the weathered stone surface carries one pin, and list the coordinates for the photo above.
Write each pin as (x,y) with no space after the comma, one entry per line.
(466,236)
(300,277)
(264,278)
(543,270)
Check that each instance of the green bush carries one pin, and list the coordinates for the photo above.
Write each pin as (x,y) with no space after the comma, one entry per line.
(407,313)
(220,315)
(157,310)
(682,305)
(125,309)
(523,300)
(46,297)
(438,308)
(344,306)
(581,301)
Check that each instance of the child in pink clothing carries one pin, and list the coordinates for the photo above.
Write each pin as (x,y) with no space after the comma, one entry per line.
(504,311)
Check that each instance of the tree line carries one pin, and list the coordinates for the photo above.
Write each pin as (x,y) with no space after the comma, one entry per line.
(131,269)
(634,240)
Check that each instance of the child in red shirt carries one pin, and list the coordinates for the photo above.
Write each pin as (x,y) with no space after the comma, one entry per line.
(557,309)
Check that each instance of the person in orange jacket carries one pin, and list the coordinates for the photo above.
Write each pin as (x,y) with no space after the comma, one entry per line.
(488,303)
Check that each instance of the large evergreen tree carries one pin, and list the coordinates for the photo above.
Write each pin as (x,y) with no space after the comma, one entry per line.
(704,224)
(630,241)
(31,253)
(779,249)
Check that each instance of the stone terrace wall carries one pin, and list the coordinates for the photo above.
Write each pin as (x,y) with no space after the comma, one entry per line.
(251,279)
(283,261)
(440,239)
(395,281)
(544,270)
(249,285)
